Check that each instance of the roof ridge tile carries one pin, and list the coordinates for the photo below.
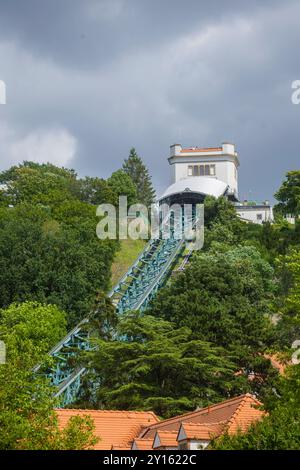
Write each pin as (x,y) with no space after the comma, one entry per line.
(165,432)
(130,412)
(234,415)
(204,424)
(246,398)
(207,409)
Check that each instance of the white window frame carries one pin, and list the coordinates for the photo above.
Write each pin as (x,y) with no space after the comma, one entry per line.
(203,170)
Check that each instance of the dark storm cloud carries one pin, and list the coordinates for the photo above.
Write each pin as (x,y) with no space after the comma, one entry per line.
(88,33)
(86,80)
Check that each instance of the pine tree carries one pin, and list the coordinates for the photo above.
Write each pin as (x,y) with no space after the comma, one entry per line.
(142,373)
(139,173)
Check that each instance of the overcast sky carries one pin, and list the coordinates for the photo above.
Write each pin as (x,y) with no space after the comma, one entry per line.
(88,79)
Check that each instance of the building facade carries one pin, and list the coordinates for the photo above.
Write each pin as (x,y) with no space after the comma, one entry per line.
(220,163)
(199,172)
(255,213)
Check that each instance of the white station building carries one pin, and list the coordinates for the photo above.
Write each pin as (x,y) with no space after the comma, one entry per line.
(198,172)
(255,213)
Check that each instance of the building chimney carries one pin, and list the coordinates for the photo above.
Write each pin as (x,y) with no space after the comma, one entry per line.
(228,148)
(175,149)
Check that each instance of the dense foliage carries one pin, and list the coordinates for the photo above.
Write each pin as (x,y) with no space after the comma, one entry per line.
(288,195)
(27,417)
(280,430)
(288,327)
(50,260)
(142,372)
(139,173)
(223,296)
(49,250)
(123,185)
(38,183)
(206,336)
(32,328)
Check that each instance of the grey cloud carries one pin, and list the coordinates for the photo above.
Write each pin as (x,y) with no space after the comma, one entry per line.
(148,73)
(89,33)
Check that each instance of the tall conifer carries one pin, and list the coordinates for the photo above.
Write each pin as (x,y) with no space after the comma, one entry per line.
(139,173)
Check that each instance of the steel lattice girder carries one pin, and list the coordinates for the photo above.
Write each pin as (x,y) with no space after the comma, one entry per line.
(134,291)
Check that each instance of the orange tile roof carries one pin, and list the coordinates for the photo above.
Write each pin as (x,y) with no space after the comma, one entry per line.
(119,429)
(196,149)
(166,438)
(245,414)
(276,363)
(235,412)
(143,444)
(115,429)
(202,431)
(119,447)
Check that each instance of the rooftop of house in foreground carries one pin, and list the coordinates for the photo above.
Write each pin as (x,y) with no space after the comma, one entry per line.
(115,429)
(236,413)
(124,430)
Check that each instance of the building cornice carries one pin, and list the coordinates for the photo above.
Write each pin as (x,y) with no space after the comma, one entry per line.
(192,158)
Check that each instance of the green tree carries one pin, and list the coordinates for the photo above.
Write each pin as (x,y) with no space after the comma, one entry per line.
(221,210)
(53,261)
(222,225)
(122,185)
(39,183)
(224,297)
(96,191)
(288,195)
(288,326)
(139,173)
(104,318)
(32,328)
(49,250)
(280,430)
(160,368)
(273,239)
(27,416)
(74,213)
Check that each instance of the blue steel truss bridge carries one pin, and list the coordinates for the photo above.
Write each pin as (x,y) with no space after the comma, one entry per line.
(134,291)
